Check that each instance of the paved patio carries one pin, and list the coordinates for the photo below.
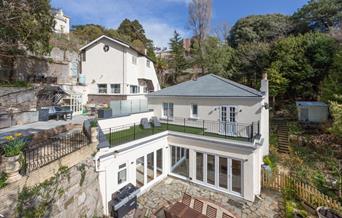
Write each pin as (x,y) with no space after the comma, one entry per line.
(171,190)
(31,128)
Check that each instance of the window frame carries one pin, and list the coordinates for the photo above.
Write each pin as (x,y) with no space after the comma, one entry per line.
(115,90)
(192,115)
(120,170)
(133,88)
(167,115)
(99,88)
(148,63)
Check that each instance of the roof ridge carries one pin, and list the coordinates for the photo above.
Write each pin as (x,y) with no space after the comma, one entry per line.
(238,85)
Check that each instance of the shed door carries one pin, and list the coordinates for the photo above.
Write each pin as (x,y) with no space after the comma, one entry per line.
(304,112)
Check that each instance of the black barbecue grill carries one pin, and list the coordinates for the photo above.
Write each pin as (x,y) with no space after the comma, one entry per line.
(124,200)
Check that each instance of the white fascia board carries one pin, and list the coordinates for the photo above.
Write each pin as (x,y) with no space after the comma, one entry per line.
(103,37)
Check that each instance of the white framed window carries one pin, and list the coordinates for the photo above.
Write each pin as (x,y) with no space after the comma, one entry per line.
(102,88)
(122,174)
(134,89)
(168,110)
(115,88)
(148,63)
(134,60)
(194,111)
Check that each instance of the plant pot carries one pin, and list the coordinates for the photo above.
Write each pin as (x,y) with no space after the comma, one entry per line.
(11,168)
(104,113)
(94,138)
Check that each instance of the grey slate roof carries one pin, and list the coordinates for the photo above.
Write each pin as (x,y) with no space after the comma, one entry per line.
(208,86)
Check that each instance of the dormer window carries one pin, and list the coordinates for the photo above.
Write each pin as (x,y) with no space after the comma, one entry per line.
(134,59)
(148,63)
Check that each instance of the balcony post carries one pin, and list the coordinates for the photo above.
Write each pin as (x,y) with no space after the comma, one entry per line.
(110,136)
(203,127)
(258,127)
(251,132)
(134,132)
(184,124)
(225,129)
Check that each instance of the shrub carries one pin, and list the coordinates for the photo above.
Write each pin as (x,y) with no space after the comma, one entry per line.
(270,160)
(336,112)
(93,123)
(3,178)
(14,145)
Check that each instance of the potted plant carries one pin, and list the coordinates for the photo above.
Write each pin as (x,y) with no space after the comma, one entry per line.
(12,150)
(104,113)
(93,131)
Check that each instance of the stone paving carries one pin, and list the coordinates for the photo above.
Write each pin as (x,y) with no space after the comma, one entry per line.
(171,190)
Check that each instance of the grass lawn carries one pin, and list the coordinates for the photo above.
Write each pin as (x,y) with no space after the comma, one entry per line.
(137,132)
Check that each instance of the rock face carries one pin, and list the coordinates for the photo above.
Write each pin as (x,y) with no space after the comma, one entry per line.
(78,194)
(80,198)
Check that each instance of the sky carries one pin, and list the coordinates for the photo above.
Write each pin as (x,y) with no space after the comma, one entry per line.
(160,18)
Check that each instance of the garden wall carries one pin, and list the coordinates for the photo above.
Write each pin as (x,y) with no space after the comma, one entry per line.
(70,185)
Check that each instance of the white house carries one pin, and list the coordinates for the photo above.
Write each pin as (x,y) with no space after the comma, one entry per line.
(214,132)
(62,22)
(113,70)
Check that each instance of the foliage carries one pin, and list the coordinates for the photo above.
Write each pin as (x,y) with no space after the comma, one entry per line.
(336,112)
(270,160)
(135,31)
(217,56)
(331,87)
(38,200)
(319,15)
(93,123)
(82,169)
(249,62)
(25,26)
(295,128)
(14,145)
(17,83)
(3,178)
(292,207)
(161,66)
(304,61)
(277,82)
(177,63)
(259,28)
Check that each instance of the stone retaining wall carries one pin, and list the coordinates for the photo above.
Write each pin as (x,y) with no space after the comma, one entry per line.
(79,194)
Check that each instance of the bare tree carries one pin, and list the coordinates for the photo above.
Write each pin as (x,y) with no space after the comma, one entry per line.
(199,22)
(221,31)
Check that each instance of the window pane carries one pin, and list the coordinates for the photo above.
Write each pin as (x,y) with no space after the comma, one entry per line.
(199,166)
(173,155)
(194,110)
(181,166)
(211,169)
(140,172)
(223,176)
(122,176)
(171,110)
(178,153)
(150,167)
(236,176)
(159,162)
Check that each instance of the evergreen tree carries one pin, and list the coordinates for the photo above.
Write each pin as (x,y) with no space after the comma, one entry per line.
(177,63)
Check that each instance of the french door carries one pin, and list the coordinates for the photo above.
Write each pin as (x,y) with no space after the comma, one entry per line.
(220,172)
(228,125)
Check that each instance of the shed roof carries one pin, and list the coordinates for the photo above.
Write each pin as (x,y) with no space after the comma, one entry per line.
(311,104)
(209,86)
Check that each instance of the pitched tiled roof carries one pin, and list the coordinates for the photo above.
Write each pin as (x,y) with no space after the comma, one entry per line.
(209,86)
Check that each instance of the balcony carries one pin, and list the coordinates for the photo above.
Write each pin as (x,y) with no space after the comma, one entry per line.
(224,130)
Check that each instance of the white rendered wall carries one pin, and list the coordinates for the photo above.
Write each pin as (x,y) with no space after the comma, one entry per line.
(248,110)
(108,166)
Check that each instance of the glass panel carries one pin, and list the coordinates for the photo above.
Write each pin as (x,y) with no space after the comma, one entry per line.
(223,176)
(140,172)
(181,166)
(211,169)
(173,155)
(150,167)
(122,176)
(194,110)
(171,110)
(159,162)
(199,166)
(236,176)
(165,109)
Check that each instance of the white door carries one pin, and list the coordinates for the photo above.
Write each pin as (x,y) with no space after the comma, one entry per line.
(228,125)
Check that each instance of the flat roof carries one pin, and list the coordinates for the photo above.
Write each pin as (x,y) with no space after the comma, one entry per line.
(311,103)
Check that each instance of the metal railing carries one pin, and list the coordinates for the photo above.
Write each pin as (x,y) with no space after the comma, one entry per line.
(238,131)
(43,153)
